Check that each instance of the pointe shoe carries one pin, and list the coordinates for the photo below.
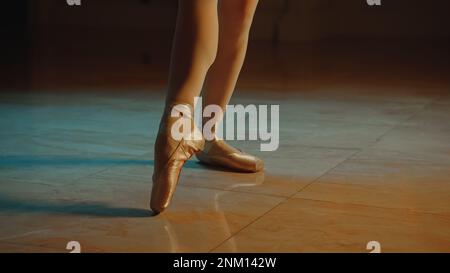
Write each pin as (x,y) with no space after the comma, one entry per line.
(170,156)
(219,153)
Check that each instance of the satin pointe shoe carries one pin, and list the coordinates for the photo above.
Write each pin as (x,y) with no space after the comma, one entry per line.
(171,154)
(219,153)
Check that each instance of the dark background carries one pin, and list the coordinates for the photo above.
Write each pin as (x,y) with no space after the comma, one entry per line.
(116,44)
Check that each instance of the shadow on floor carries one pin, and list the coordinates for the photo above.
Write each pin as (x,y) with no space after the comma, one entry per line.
(50,160)
(12,205)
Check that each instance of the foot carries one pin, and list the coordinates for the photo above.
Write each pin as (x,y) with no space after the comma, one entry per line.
(219,153)
(170,156)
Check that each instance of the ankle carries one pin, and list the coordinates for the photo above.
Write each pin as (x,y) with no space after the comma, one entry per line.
(179,110)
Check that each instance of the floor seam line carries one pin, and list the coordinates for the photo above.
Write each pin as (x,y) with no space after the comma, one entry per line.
(325,173)
(249,224)
(394,126)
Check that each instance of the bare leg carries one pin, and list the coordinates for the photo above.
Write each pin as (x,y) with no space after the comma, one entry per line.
(235,20)
(194,49)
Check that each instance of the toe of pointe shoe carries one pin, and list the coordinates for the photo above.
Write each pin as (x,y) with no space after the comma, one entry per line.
(160,199)
(157,209)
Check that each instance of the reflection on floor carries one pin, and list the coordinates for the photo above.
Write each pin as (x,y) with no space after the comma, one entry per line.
(352,167)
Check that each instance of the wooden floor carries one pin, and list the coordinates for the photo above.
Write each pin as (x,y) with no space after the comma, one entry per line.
(350,169)
(356,163)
